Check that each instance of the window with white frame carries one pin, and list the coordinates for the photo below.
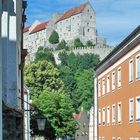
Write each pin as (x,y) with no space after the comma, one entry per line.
(99,138)
(103,138)
(113,114)
(138,67)
(108,115)
(119,112)
(99,89)
(119,77)
(108,84)
(103,86)
(118,138)
(103,116)
(99,116)
(131,110)
(131,138)
(113,80)
(136,138)
(131,70)
(138,109)
(113,138)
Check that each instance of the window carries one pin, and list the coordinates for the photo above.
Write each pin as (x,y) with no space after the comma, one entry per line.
(119,77)
(108,115)
(118,138)
(103,86)
(99,138)
(113,80)
(103,138)
(119,112)
(136,138)
(103,116)
(88,30)
(113,138)
(99,116)
(99,89)
(138,109)
(131,138)
(131,70)
(108,84)
(131,110)
(138,67)
(113,114)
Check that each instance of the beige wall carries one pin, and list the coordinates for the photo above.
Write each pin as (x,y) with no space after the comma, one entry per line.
(125,130)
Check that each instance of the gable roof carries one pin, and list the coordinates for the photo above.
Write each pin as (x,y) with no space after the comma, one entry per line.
(73,11)
(39,27)
(26,29)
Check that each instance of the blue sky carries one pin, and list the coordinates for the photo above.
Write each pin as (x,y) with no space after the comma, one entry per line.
(115,19)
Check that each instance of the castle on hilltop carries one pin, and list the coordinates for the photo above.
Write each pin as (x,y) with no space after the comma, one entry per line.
(78,22)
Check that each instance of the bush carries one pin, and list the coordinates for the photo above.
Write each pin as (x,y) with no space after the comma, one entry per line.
(54,38)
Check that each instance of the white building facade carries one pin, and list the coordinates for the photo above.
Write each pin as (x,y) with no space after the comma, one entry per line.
(78,22)
(10,69)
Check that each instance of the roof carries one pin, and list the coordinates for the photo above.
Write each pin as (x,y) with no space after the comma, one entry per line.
(39,27)
(78,116)
(73,11)
(26,29)
(121,48)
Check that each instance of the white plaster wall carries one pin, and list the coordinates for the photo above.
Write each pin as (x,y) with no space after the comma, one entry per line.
(91,123)
(27,114)
(11,43)
(81,26)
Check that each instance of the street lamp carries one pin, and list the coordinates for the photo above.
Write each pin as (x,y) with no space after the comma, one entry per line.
(41,122)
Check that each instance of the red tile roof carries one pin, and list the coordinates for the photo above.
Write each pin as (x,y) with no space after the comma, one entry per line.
(26,29)
(39,27)
(73,11)
(78,116)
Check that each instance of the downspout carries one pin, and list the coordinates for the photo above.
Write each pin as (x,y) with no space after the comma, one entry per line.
(1,132)
(95,107)
(23,55)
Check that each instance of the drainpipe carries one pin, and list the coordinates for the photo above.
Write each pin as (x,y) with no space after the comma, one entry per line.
(95,107)
(1,132)
(23,55)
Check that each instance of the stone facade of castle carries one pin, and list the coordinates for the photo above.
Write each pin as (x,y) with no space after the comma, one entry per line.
(79,22)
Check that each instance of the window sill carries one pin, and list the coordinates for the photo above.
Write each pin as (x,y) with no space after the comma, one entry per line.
(137,79)
(138,120)
(130,82)
(113,123)
(131,121)
(120,122)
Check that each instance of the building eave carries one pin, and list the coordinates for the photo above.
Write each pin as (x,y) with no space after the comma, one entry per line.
(125,46)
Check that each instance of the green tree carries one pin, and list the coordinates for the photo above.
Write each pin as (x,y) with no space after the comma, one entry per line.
(48,95)
(76,72)
(84,90)
(59,112)
(62,45)
(89,44)
(54,38)
(42,75)
(78,43)
(44,54)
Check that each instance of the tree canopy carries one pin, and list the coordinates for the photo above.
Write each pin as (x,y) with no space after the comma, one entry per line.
(78,43)
(44,54)
(62,45)
(48,95)
(77,74)
(54,38)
